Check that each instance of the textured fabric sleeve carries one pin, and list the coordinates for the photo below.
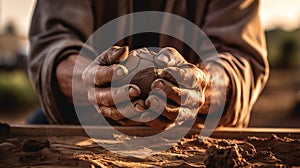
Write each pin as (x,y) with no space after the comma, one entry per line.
(58,29)
(235,29)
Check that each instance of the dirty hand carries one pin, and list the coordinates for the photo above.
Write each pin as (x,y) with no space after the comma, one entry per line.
(97,78)
(182,83)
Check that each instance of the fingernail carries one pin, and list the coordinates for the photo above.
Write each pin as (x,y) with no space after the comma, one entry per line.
(121,71)
(152,100)
(118,54)
(120,50)
(157,84)
(139,107)
(162,60)
(123,52)
(133,92)
(145,117)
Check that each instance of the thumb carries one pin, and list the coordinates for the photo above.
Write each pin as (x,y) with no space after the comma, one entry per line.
(167,57)
(113,55)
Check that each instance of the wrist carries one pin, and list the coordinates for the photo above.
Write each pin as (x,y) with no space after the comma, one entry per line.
(65,75)
(218,90)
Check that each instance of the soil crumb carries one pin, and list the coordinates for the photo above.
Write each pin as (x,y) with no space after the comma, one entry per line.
(80,151)
(4,129)
(33,145)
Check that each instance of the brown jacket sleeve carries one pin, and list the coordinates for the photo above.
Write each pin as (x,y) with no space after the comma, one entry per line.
(58,28)
(235,29)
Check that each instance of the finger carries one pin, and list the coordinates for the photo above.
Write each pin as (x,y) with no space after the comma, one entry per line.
(185,114)
(127,111)
(169,56)
(105,74)
(159,123)
(112,96)
(129,122)
(164,123)
(100,75)
(189,76)
(113,55)
(182,96)
(171,112)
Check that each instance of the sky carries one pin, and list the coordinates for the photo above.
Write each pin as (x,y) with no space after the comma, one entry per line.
(275,13)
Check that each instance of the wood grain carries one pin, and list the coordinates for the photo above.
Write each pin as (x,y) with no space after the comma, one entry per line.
(75,130)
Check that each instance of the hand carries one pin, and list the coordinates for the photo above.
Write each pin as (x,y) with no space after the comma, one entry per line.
(97,78)
(182,83)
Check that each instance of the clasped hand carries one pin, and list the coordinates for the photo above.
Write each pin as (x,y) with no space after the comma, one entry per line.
(181,83)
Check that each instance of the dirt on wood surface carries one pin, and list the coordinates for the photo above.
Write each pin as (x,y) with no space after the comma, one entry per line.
(82,151)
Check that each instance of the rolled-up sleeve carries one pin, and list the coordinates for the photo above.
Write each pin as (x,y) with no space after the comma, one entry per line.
(235,29)
(58,29)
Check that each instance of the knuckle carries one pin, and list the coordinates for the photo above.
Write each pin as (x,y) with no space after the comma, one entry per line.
(86,75)
(104,101)
(115,116)
(91,98)
(103,74)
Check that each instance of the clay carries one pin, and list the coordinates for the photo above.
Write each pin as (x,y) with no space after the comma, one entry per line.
(33,145)
(225,155)
(77,151)
(141,71)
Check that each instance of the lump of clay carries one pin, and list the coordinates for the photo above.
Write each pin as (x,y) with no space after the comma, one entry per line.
(141,70)
(4,129)
(226,155)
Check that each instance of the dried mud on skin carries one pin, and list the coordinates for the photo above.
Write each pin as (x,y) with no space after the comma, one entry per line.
(189,152)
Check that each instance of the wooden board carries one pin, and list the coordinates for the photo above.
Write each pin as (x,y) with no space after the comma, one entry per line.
(70,130)
(69,146)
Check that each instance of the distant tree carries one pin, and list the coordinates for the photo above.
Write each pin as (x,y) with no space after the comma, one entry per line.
(288,50)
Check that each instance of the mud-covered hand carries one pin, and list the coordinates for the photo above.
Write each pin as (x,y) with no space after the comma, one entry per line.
(97,78)
(182,83)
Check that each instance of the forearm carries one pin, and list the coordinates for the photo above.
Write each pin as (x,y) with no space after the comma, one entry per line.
(65,75)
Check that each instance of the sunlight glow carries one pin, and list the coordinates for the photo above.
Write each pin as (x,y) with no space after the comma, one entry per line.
(275,13)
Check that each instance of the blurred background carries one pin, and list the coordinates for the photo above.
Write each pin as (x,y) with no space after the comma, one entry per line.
(278,106)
